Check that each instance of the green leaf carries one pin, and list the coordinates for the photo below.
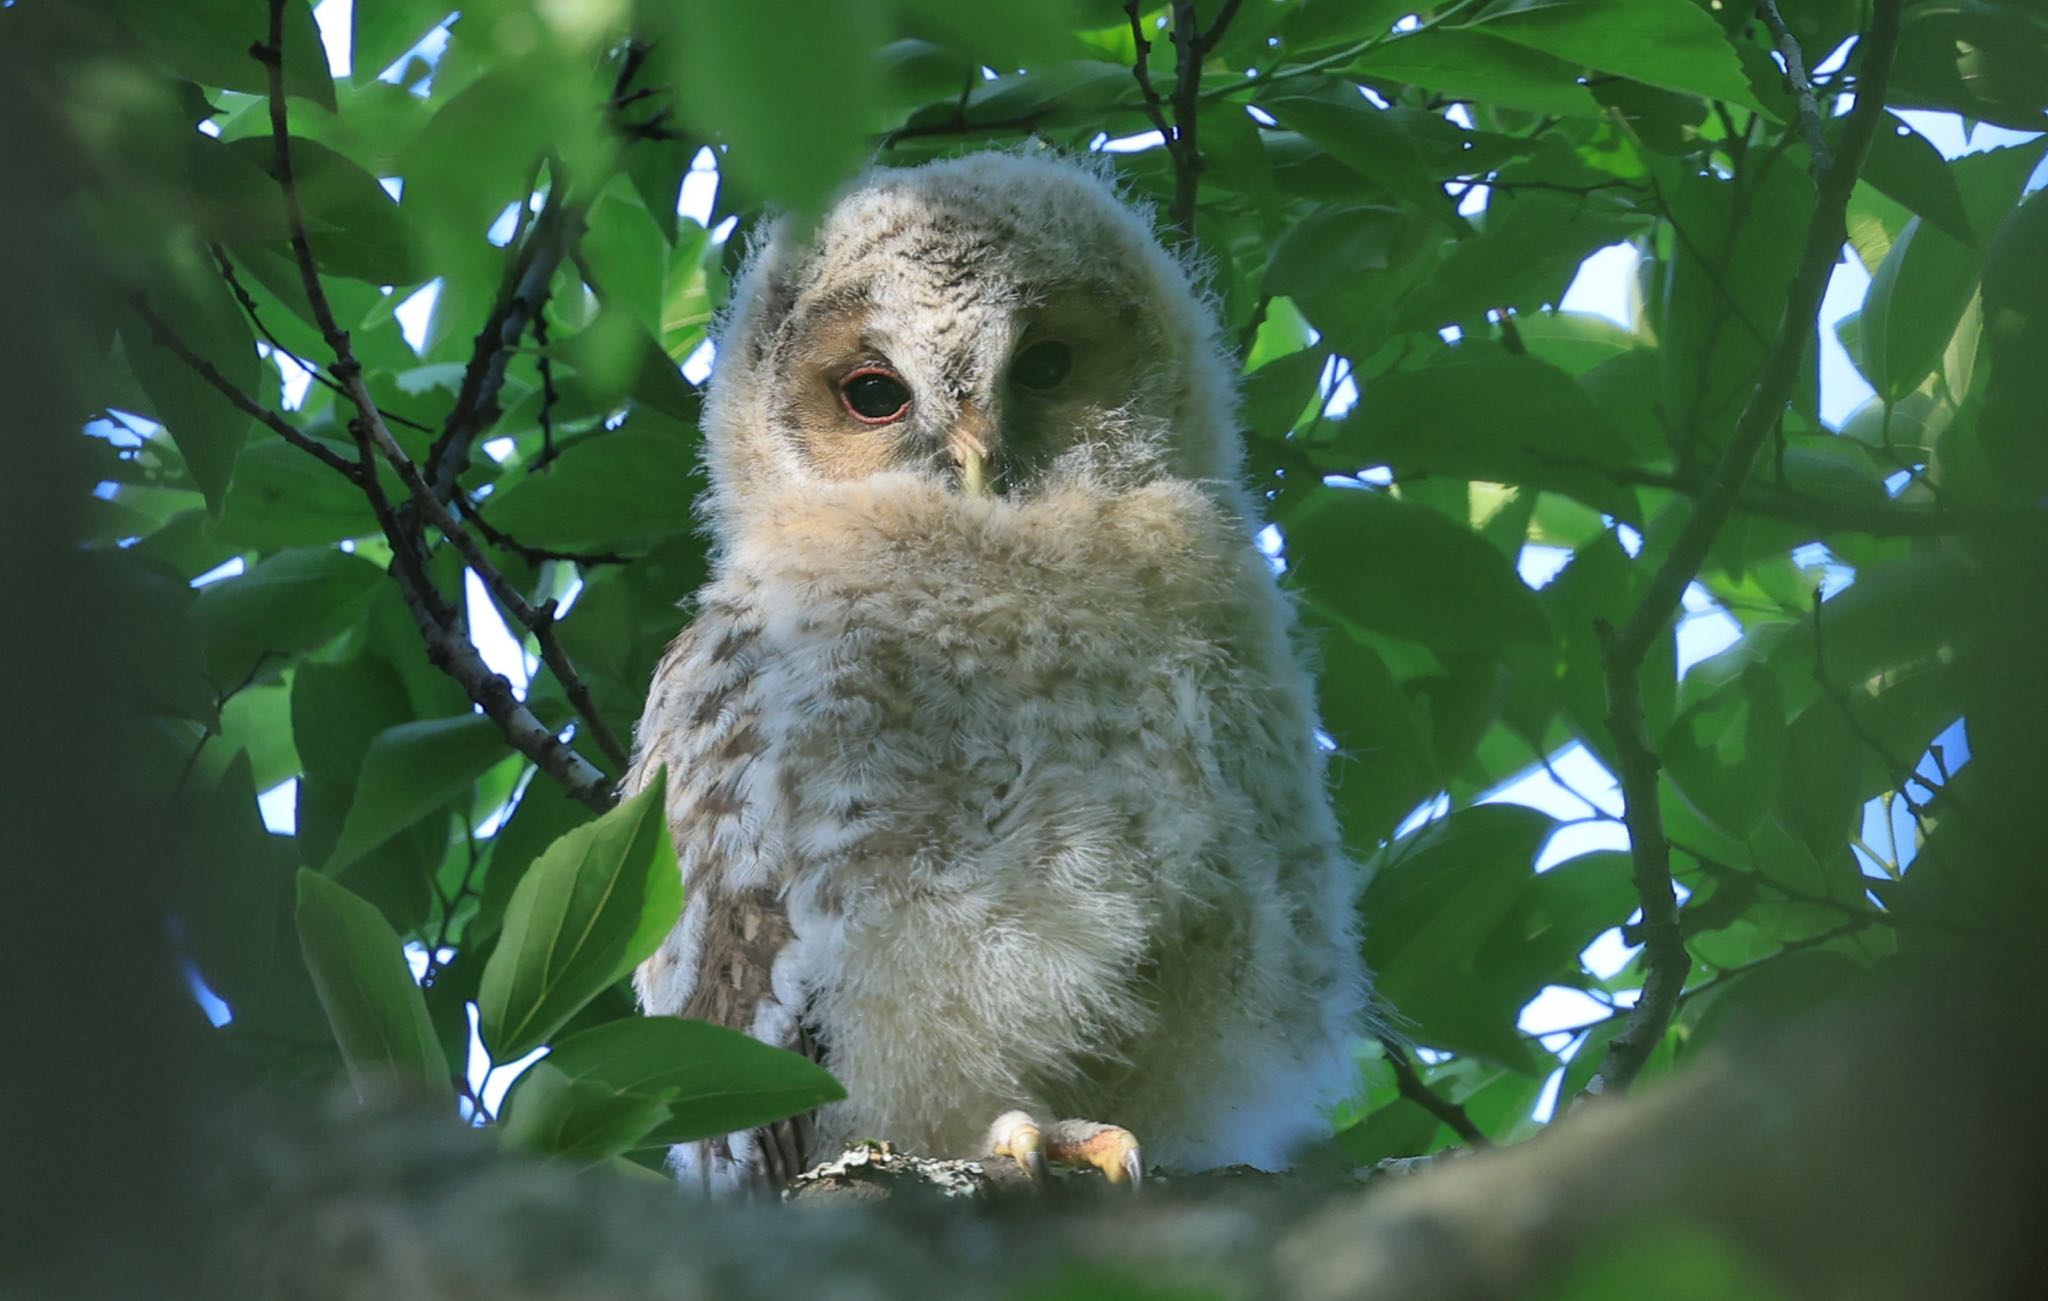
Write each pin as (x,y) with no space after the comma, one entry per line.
(1471,64)
(199,312)
(382,31)
(711,1080)
(610,489)
(1492,416)
(550,1114)
(1525,258)
(628,258)
(587,912)
(734,68)
(209,40)
(1914,304)
(2015,341)
(1434,898)
(359,970)
(1383,766)
(1372,143)
(409,772)
(1450,589)
(292,602)
(1558,913)
(355,227)
(1667,43)
(1903,165)
(281,497)
(1725,753)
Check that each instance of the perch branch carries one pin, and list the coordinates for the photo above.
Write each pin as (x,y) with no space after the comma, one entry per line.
(1626,648)
(1436,1104)
(448,646)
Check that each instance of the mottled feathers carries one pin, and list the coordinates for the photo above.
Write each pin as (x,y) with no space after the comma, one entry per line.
(996,793)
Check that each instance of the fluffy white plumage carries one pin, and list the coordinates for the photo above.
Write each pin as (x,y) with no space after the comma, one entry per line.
(997,802)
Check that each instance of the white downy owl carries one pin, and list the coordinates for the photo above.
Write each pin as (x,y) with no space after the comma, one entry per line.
(992,769)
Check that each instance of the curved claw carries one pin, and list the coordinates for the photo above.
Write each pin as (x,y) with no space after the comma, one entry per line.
(1016,1136)
(1113,1150)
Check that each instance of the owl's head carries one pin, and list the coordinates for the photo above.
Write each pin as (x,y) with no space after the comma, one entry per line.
(1003,323)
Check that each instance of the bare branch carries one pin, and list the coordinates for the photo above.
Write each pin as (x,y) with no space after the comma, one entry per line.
(1626,649)
(1191,45)
(168,339)
(1436,1104)
(255,315)
(1810,116)
(448,645)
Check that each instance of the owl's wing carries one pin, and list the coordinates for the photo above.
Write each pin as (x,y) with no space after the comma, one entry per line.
(702,723)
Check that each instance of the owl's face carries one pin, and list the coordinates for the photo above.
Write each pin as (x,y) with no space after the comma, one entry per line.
(993,340)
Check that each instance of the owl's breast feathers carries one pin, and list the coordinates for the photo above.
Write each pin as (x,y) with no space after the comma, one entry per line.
(1003,801)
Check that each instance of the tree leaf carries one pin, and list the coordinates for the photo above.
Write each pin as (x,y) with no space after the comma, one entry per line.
(611,489)
(1472,64)
(1406,570)
(1725,752)
(379,33)
(586,913)
(355,227)
(1668,43)
(1903,165)
(1489,415)
(292,602)
(1373,143)
(711,1080)
(550,1114)
(410,771)
(209,40)
(1433,899)
(1525,258)
(359,970)
(734,65)
(1911,310)
(200,313)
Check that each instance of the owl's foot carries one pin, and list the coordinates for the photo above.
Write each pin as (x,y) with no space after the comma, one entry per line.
(1113,1150)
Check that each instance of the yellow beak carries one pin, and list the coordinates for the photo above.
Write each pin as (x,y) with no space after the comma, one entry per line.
(973,470)
(973,448)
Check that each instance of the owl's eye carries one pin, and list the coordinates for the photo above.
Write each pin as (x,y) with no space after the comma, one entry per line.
(875,396)
(1043,366)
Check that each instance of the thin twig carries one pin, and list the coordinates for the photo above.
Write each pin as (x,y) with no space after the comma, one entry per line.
(1626,649)
(473,515)
(1811,122)
(250,310)
(1436,1104)
(448,646)
(166,338)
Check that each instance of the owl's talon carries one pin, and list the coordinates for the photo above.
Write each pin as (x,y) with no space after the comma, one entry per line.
(1016,1136)
(1112,1149)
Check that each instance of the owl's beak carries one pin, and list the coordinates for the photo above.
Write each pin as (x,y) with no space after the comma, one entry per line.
(973,444)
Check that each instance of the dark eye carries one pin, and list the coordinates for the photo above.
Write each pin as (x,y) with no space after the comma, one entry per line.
(875,396)
(1044,365)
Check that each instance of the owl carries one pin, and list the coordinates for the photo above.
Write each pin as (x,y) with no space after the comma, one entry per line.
(991,762)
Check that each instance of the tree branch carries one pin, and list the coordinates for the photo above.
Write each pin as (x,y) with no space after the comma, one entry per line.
(166,338)
(1811,120)
(1191,45)
(1626,649)
(1436,1104)
(448,646)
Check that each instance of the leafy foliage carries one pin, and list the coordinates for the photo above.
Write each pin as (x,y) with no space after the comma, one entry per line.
(1392,202)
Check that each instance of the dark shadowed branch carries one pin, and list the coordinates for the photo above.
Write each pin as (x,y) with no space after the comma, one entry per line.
(1191,44)
(1436,1104)
(1626,648)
